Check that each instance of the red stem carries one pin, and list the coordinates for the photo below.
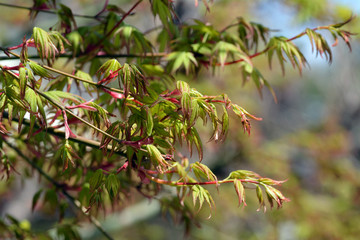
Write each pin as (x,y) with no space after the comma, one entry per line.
(161,181)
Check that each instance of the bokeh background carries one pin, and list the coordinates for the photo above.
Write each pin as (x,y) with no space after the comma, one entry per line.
(311,137)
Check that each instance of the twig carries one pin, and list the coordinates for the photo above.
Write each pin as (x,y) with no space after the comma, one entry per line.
(98,44)
(76,203)
(268,48)
(58,133)
(173,183)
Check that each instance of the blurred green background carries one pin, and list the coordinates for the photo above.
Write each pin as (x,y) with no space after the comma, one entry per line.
(311,137)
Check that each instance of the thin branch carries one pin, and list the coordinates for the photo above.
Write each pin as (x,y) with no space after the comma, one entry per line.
(145,55)
(98,44)
(75,202)
(152,29)
(72,76)
(49,11)
(77,117)
(103,9)
(58,133)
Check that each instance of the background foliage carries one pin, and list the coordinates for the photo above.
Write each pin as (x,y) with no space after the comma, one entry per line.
(309,137)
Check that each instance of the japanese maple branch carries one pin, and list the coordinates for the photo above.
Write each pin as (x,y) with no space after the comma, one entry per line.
(76,203)
(268,48)
(65,109)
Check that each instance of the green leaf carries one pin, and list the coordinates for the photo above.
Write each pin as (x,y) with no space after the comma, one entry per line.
(274,194)
(183,86)
(66,15)
(282,45)
(41,109)
(243,174)
(21,118)
(96,180)
(13,94)
(108,67)
(126,78)
(32,124)
(39,70)
(319,44)
(45,44)
(31,98)
(223,49)
(2,101)
(151,69)
(240,191)
(195,138)
(59,40)
(10,112)
(76,41)
(112,185)
(162,10)
(157,159)
(271,195)
(103,113)
(202,172)
(87,77)
(250,33)
(35,199)
(126,32)
(195,109)
(114,130)
(178,59)
(163,39)
(225,123)
(260,197)
(22,82)
(186,104)
(198,195)
(59,95)
(84,194)
(202,195)
(201,48)
(149,122)
(180,169)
